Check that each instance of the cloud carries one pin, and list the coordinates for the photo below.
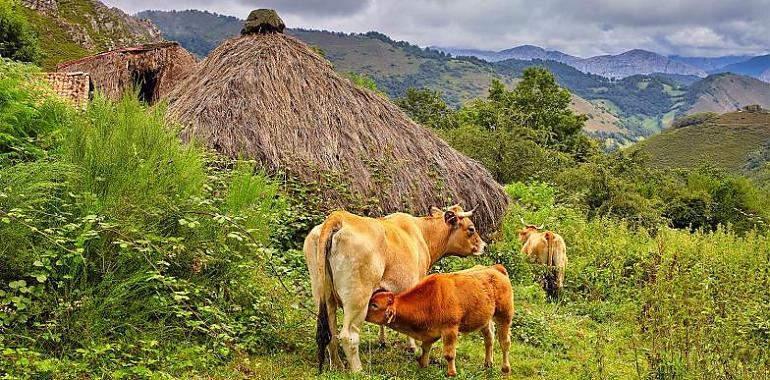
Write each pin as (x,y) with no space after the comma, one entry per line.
(583,28)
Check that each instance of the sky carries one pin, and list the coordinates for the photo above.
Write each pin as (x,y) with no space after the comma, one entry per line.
(578,27)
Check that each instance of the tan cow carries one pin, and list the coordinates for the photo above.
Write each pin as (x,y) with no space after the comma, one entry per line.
(443,305)
(546,248)
(355,255)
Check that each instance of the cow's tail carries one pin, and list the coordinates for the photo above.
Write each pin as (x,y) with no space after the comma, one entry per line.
(323,334)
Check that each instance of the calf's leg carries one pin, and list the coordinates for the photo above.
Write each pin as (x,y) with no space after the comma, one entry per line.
(425,357)
(449,339)
(504,337)
(489,342)
(381,337)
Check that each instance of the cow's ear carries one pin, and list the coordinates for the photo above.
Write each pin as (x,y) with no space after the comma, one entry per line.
(391,299)
(435,211)
(451,219)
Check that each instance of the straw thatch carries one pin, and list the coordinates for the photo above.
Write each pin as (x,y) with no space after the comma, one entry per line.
(263,21)
(270,97)
(154,68)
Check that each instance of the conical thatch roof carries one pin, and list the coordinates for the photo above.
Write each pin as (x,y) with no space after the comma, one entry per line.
(270,97)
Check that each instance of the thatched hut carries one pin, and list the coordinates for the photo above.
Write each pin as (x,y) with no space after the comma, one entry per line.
(268,96)
(154,68)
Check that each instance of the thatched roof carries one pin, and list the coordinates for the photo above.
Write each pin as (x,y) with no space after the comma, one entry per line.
(154,68)
(270,97)
(263,21)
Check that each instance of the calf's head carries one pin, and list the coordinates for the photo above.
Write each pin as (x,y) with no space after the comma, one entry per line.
(463,239)
(528,230)
(381,310)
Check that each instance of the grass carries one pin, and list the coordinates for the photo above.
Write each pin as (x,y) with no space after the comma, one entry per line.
(725,142)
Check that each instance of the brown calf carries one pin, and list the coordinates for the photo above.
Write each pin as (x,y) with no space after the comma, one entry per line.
(548,249)
(443,305)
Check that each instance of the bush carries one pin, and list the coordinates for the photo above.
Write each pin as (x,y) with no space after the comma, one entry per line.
(29,115)
(128,247)
(17,41)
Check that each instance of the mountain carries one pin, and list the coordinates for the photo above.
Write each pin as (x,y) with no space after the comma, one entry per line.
(726,92)
(710,64)
(198,31)
(634,62)
(727,141)
(757,67)
(523,52)
(70,29)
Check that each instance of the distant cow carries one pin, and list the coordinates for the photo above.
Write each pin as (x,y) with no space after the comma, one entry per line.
(350,256)
(443,305)
(546,248)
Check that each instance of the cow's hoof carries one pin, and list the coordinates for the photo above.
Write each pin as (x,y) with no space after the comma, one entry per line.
(487,364)
(451,373)
(506,369)
(382,344)
(411,350)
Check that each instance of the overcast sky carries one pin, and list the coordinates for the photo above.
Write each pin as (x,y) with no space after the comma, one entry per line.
(578,27)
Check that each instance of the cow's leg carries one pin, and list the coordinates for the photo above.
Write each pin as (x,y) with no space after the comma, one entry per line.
(489,342)
(335,341)
(449,339)
(424,358)
(504,338)
(355,313)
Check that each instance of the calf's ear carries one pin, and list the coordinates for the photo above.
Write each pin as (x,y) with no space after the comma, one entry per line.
(451,218)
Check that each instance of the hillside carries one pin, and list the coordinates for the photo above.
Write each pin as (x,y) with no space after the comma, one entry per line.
(70,29)
(727,92)
(725,141)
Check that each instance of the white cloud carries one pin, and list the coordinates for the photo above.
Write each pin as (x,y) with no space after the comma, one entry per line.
(583,28)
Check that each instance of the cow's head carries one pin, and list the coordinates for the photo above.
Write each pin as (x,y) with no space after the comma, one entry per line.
(528,229)
(381,310)
(463,239)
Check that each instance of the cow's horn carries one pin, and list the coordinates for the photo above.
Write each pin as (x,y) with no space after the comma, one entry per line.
(523,222)
(540,227)
(467,214)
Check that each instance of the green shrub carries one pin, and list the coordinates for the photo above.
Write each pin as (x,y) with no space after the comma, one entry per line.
(129,159)
(17,41)
(29,116)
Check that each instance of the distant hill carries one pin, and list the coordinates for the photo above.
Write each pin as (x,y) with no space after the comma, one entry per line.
(70,29)
(523,52)
(634,62)
(710,64)
(726,92)
(757,67)
(198,31)
(726,141)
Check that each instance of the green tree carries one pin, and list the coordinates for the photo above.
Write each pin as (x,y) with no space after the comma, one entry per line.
(17,41)
(428,108)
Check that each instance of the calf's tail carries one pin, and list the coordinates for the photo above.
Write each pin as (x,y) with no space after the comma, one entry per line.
(551,247)
(323,333)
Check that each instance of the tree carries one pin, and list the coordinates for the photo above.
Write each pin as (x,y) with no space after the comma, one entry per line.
(17,41)
(428,108)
